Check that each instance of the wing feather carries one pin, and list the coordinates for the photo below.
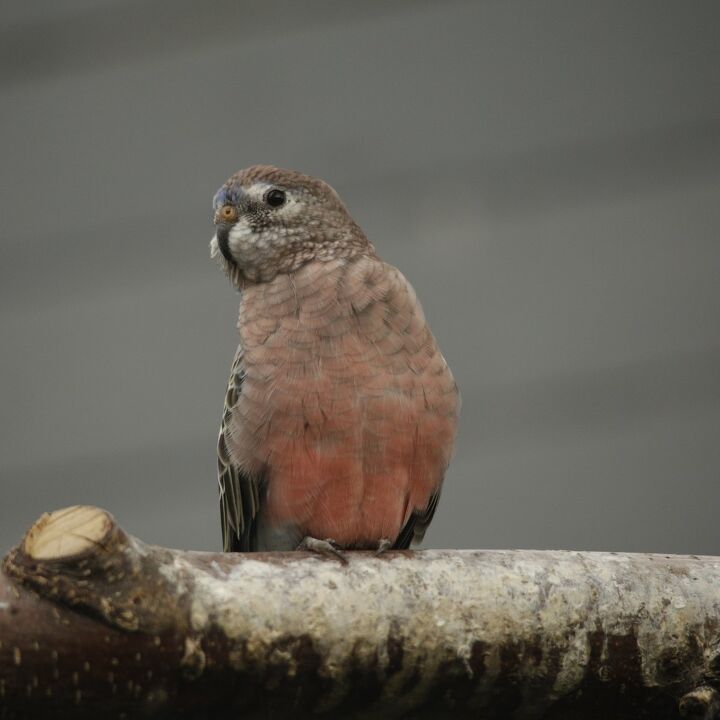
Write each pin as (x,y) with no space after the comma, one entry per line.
(239,492)
(417,524)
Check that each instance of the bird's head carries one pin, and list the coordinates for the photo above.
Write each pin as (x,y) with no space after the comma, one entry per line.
(270,221)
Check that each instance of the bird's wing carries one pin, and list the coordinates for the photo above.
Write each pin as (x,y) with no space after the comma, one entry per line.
(239,493)
(417,524)
(406,324)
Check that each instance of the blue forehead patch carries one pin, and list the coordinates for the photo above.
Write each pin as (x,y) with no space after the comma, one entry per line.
(226,196)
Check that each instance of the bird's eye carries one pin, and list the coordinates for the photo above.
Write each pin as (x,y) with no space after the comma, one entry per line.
(228,213)
(274,197)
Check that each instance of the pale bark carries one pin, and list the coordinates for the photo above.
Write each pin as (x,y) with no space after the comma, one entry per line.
(94,623)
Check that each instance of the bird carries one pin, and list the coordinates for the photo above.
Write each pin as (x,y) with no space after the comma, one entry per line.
(341,412)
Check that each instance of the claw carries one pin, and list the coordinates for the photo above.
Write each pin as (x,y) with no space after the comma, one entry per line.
(383,546)
(328,547)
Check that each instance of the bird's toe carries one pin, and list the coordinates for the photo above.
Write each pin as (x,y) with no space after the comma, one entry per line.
(327,547)
(384,544)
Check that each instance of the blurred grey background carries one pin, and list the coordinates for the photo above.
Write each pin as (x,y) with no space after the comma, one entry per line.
(547,175)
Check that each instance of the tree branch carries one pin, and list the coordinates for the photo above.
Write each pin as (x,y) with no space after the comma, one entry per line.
(94,622)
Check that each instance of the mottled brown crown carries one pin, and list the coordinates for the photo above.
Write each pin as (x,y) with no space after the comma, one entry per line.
(285,179)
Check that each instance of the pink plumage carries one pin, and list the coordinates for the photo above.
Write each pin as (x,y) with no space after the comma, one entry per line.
(341,411)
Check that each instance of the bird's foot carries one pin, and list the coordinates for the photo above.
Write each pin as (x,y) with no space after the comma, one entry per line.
(383,546)
(327,547)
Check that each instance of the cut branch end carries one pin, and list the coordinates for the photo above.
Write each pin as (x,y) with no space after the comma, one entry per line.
(67,533)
